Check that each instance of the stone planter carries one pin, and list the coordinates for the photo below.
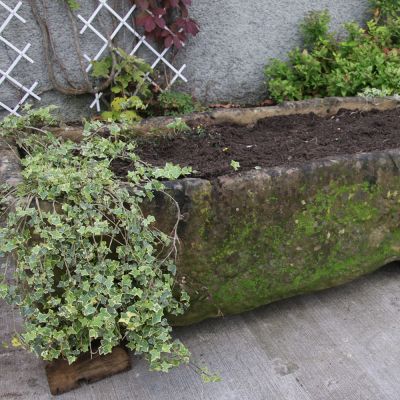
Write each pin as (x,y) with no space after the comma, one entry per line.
(252,238)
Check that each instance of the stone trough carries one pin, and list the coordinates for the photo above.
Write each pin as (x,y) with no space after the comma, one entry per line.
(252,238)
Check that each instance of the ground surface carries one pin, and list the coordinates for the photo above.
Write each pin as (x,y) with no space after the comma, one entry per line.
(343,343)
(276,141)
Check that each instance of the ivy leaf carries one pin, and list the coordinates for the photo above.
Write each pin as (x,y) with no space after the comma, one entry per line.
(235,165)
(88,310)
(16,342)
(3,291)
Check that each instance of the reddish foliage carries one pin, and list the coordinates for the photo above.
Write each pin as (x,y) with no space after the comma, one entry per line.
(268,103)
(166,21)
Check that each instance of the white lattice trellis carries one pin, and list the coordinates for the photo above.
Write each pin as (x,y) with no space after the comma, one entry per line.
(123,23)
(5,75)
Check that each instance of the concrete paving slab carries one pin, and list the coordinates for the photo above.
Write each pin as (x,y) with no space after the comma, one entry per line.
(339,344)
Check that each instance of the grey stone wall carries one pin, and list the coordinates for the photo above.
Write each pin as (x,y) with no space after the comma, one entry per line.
(224,62)
(71,107)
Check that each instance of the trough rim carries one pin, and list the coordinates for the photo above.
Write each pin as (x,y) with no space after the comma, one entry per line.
(242,116)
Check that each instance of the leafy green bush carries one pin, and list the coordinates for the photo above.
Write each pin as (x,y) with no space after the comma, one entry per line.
(92,271)
(315,27)
(130,91)
(367,58)
(176,103)
(386,8)
(130,97)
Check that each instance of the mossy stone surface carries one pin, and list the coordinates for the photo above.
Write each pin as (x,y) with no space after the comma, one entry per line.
(253,238)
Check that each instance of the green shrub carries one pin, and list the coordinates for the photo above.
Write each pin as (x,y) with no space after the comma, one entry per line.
(315,27)
(366,58)
(131,96)
(130,90)
(386,8)
(176,103)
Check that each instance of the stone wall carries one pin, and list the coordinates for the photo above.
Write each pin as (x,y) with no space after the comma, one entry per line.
(224,62)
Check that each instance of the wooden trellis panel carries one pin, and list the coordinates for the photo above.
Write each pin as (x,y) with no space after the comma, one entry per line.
(123,23)
(20,56)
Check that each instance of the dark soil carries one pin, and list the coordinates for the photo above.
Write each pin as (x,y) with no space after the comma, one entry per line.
(276,141)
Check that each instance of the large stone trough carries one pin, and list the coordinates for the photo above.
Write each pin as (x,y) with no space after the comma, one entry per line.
(252,238)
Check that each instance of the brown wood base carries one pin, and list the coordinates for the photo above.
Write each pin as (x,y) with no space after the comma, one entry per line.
(63,377)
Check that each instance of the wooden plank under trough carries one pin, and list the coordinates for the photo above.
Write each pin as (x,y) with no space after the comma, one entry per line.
(63,377)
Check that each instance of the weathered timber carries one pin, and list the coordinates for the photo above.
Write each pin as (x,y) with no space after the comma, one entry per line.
(63,377)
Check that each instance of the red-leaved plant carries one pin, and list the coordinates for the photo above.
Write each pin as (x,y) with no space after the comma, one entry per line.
(166,21)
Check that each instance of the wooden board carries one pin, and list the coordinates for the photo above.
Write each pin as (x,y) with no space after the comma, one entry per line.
(63,377)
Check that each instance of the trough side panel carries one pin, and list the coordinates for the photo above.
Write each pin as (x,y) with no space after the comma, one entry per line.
(254,238)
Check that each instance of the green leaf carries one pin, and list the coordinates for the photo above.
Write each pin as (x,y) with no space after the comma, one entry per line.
(73,4)
(3,291)
(89,310)
(235,165)
(102,68)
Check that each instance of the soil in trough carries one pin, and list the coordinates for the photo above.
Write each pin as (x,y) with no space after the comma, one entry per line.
(276,141)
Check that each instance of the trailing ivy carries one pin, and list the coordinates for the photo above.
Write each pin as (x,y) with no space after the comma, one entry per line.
(93,271)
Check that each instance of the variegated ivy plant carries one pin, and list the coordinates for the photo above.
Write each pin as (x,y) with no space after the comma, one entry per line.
(92,270)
